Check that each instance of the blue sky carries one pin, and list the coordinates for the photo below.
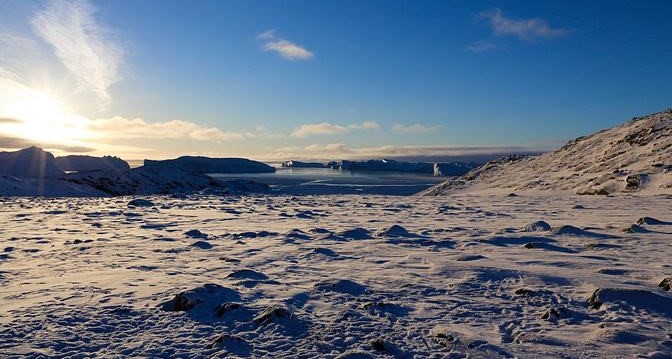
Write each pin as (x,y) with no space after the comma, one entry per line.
(329,79)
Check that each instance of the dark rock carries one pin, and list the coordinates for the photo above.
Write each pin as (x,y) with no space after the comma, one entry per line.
(666,284)
(635,228)
(202,245)
(207,295)
(225,308)
(638,299)
(272,313)
(195,233)
(538,226)
(556,313)
(139,202)
(443,336)
(378,344)
(524,291)
(651,221)
(234,344)
(636,182)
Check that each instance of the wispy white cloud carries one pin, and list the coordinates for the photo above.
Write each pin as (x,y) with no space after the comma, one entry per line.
(84,46)
(124,128)
(323,128)
(414,128)
(366,125)
(16,41)
(326,128)
(483,46)
(285,48)
(524,29)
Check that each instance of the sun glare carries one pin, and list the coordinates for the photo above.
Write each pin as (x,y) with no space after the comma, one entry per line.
(41,117)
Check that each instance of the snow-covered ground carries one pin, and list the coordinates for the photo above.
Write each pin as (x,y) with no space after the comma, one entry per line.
(336,276)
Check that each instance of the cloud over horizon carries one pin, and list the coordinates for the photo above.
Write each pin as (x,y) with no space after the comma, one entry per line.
(326,128)
(334,151)
(120,127)
(414,128)
(283,47)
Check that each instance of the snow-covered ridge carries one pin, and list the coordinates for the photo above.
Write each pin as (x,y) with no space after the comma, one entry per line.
(633,157)
(203,165)
(29,162)
(35,172)
(90,163)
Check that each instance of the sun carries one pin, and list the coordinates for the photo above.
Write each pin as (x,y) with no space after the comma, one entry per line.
(39,116)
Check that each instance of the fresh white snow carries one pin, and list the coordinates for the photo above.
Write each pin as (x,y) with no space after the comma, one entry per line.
(336,276)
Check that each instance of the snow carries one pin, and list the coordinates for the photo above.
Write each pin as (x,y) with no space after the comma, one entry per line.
(507,261)
(30,162)
(365,276)
(633,157)
(90,163)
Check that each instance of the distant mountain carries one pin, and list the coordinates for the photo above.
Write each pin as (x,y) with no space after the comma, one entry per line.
(299,164)
(32,162)
(90,163)
(204,165)
(636,156)
(445,169)
(35,172)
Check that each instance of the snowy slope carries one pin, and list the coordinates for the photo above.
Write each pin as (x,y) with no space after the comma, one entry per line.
(633,157)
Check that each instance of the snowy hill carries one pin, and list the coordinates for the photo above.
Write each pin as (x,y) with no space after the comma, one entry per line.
(90,163)
(633,157)
(32,162)
(35,172)
(203,165)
